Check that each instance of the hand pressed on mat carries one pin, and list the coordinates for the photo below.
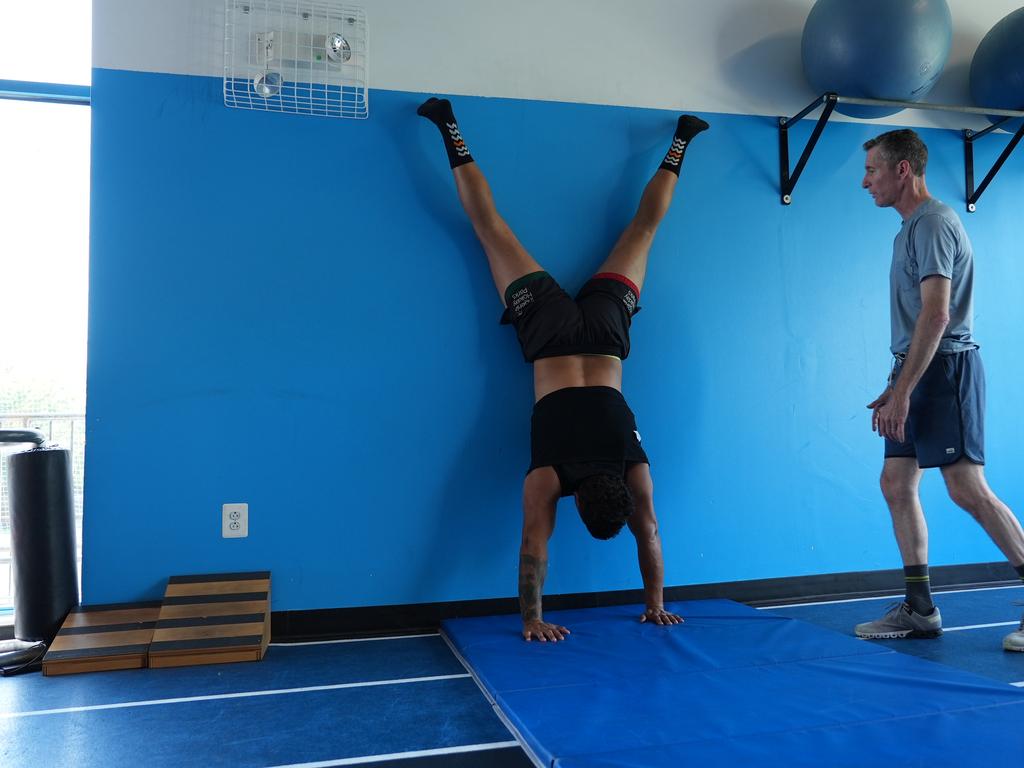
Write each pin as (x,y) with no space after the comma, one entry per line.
(660,616)
(544,631)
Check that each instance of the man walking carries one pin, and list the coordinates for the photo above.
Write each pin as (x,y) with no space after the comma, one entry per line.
(932,412)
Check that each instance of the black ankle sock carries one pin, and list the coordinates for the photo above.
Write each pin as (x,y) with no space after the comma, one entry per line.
(687,127)
(1020,570)
(439,112)
(919,590)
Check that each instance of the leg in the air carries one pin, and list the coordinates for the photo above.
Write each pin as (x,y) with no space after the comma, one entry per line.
(506,257)
(629,256)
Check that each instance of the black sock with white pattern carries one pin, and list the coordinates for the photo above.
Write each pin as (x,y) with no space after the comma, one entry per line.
(687,127)
(439,112)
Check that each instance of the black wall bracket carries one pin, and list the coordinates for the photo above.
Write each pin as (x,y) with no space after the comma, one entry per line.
(969,138)
(788,180)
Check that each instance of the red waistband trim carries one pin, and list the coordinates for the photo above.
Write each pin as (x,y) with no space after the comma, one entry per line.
(621,278)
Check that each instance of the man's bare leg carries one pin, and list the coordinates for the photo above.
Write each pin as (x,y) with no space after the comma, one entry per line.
(917,616)
(901,478)
(507,258)
(968,488)
(629,256)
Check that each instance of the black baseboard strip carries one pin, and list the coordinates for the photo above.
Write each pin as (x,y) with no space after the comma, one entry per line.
(297,626)
(333,623)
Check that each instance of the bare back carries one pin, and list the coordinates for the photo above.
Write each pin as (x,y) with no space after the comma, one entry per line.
(553,373)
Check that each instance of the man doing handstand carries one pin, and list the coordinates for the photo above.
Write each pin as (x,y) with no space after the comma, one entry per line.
(584,440)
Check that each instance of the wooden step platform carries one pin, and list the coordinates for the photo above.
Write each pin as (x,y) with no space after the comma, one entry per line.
(212,619)
(101,637)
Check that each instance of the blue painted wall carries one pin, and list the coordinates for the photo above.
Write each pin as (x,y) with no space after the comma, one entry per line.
(293,312)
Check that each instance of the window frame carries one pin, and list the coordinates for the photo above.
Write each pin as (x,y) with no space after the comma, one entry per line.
(53,93)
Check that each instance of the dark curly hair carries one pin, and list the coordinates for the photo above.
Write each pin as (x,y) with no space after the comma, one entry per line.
(605,503)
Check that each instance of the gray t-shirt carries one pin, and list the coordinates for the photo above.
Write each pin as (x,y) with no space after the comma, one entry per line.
(932,241)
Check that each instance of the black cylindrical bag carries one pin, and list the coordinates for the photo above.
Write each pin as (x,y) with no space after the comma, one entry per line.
(42,541)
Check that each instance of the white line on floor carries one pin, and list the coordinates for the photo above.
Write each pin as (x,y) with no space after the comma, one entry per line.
(523,744)
(1019,685)
(355,640)
(403,755)
(894,596)
(981,626)
(217,696)
(962,629)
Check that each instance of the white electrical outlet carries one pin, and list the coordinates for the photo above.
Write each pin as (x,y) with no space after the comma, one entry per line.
(235,521)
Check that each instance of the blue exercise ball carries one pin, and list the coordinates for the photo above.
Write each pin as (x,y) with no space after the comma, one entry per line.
(876,49)
(997,70)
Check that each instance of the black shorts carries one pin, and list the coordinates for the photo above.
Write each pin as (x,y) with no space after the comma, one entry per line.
(947,413)
(550,324)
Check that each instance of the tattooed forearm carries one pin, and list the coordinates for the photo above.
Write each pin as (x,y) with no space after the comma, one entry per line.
(532,571)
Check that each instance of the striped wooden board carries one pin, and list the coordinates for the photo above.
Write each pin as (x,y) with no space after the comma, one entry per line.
(101,637)
(212,619)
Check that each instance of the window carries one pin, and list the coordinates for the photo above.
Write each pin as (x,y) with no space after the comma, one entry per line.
(47,42)
(44,226)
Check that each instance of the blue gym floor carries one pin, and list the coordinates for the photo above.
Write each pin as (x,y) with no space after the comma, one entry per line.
(974,621)
(385,702)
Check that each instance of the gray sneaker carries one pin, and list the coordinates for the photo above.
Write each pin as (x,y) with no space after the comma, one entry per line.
(900,622)
(1015,640)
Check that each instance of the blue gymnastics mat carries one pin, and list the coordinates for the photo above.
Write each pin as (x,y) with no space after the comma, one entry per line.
(732,686)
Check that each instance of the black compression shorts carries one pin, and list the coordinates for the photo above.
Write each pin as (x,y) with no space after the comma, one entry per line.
(551,324)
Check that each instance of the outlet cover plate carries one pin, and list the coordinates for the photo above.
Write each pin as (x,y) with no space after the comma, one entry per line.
(235,521)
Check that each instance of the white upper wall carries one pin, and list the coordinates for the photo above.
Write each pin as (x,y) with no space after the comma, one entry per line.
(732,56)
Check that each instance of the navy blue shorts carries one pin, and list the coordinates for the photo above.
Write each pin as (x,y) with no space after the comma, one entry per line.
(947,413)
(551,324)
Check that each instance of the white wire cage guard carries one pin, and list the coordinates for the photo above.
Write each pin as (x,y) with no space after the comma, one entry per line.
(309,58)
